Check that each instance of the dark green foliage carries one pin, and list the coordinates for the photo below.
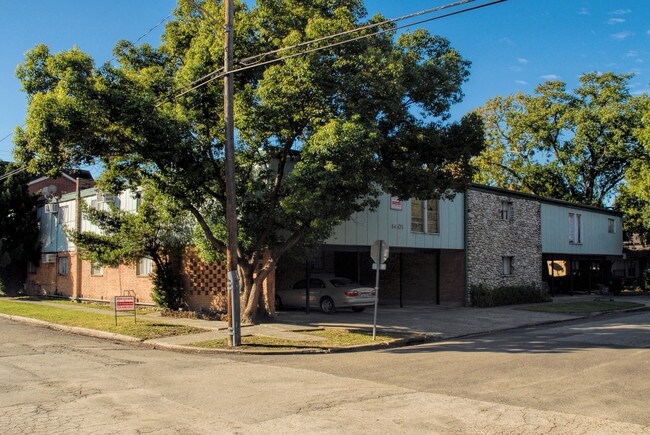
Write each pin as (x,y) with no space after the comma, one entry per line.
(645,281)
(167,289)
(19,230)
(484,296)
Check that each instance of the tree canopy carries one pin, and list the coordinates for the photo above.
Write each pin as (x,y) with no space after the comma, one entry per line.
(576,146)
(19,229)
(634,197)
(318,135)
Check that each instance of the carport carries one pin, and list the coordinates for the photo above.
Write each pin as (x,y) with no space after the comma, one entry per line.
(412,276)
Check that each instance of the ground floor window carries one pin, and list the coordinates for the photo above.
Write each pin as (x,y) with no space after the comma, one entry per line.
(507,265)
(96,270)
(64,266)
(143,268)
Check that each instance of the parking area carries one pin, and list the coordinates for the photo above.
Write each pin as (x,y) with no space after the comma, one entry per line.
(437,320)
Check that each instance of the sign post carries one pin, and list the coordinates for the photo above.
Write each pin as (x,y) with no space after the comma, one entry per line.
(379,254)
(124,303)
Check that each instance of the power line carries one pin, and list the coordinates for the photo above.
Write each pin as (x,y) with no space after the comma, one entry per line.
(358,29)
(10,173)
(379,32)
(148,32)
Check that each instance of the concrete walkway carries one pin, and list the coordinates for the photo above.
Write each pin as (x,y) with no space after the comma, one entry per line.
(434,322)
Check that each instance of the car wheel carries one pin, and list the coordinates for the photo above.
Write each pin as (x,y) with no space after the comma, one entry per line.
(358,309)
(278,303)
(327,305)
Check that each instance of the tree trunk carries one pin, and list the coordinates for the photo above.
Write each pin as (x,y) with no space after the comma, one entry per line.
(253,303)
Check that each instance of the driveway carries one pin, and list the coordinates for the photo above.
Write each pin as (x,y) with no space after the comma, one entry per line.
(438,321)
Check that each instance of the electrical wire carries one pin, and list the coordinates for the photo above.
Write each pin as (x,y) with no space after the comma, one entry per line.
(255,65)
(146,33)
(358,29)
(10,173)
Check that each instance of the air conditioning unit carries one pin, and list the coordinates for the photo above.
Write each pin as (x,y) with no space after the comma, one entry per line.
(48,258)
(51,207)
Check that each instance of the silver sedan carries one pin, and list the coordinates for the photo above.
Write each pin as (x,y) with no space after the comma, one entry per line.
(327,293)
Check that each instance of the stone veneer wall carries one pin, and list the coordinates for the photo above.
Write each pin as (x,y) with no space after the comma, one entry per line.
(489,238)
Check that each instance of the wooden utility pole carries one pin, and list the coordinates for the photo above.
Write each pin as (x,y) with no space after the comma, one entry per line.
(234,322)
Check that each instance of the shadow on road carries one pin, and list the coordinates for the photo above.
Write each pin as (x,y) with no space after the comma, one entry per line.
(612,334)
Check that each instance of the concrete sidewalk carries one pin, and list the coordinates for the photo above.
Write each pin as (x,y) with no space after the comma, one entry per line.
(432,322)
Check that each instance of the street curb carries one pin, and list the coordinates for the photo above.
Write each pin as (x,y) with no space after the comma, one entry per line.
(72,329)
(404,342)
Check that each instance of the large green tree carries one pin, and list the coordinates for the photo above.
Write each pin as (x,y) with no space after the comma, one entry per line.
(634,197)
(19,230)
(575,145)
(318,135)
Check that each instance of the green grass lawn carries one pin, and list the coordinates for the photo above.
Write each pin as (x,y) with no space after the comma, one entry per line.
(582,307)
(103,322)
(98,305)
(332,338)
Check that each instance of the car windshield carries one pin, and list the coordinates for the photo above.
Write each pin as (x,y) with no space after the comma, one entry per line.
(341,282)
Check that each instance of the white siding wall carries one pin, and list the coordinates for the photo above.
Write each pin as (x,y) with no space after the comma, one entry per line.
(596,240)
(394,226)
(53,237)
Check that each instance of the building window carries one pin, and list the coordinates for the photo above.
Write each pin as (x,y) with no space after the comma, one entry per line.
(425,216)
(96,270)
(32,268)
(575,228)
(143,268)
(64,266)
(611,226)
(506,210)
(65,217)
(508,263)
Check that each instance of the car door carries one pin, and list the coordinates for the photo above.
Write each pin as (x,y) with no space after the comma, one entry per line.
(316,290)
(291,296)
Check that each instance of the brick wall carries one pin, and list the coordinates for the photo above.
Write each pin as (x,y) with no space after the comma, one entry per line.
(490,238)
(452,277)
(205,284)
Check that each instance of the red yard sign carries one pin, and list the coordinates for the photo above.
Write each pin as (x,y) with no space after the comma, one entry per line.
(124,303)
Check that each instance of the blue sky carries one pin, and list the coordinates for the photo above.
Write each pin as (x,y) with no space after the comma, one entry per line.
(513,46)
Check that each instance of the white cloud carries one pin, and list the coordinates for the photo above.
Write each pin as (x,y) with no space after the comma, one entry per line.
(521,82)
(632,53)
(507,41)
(551,77)
(583,11)
(616,20)
(522,61)
(620,12)
(621,35)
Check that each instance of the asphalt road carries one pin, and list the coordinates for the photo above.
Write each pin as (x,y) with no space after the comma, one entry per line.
(581,377)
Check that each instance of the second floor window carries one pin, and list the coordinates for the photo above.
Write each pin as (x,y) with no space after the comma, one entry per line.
(425,216)
(506,210)
(575,228)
